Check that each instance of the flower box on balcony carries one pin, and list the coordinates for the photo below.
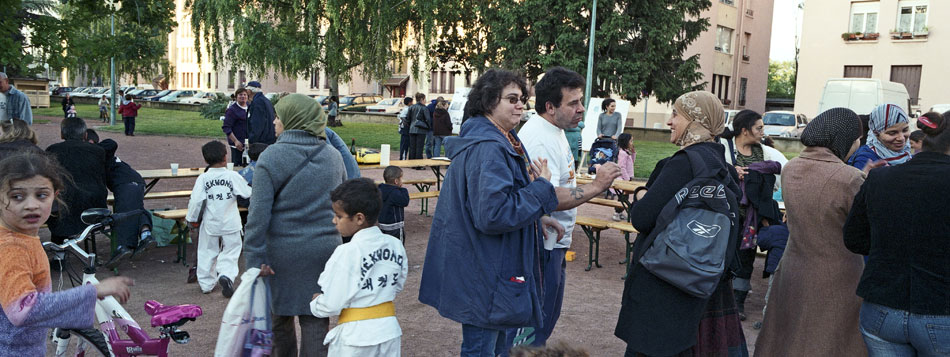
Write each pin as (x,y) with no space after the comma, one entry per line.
(870,36)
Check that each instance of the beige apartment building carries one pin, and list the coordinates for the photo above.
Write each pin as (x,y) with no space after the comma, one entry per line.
(733,56)
(897,42)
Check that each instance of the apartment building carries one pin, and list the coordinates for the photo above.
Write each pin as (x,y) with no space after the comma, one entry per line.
(733,57)
(890,40)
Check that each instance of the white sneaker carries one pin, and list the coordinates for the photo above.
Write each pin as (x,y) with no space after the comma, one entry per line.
(623,216)
(616,217)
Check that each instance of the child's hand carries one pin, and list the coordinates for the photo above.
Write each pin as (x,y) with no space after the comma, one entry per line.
(117,287)
(315,296)
(266,270)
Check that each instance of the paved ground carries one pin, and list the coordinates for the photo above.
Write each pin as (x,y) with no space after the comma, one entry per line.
(591,302)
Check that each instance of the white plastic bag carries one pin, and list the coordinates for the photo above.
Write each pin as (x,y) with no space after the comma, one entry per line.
(236,320)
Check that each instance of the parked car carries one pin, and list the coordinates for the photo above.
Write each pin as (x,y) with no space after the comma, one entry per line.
(143,93)
(391,105)
(940,108)
(62,90)
(322,99)
(355,101)
(84,92)
(158,95)
(176,96)
(730,115)
(203,97)
(784,124)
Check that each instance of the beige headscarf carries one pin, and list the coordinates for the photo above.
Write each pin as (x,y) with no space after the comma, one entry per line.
(706,116)
(300,112)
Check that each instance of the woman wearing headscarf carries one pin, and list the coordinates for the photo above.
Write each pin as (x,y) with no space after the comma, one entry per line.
(290,230)
(887,144)
(902,228)
(482,265)
(656,318)
(812,309)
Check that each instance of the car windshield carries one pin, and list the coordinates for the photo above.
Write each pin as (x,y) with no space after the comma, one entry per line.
(164,92)
(347,100)
(389,102)
(783,119)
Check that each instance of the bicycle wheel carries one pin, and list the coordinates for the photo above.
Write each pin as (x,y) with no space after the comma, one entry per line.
(91,342)
(70,268)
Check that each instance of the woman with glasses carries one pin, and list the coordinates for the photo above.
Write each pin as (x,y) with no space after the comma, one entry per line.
(482,266)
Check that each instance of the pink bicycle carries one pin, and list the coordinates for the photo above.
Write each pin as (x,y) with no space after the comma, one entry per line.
(110,315)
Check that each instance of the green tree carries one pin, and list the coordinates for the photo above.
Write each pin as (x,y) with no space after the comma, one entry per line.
(781,80)
(298,37)
(639,46)
(29,35)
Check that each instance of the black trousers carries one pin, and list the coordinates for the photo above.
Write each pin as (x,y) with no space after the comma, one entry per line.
(237,157)
(417,143)
(128,197)
(129,123)
(403,146)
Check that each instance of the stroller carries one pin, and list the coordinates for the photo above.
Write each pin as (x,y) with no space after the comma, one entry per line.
(602,151)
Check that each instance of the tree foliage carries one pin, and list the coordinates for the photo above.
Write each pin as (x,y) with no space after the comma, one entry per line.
(76,34)
(298,37)
(639,44)
(781,80)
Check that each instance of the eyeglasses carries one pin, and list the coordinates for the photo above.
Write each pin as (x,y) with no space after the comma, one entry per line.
(513,99)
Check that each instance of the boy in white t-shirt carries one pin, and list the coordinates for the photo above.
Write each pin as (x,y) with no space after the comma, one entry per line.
(214,198)
(362,277)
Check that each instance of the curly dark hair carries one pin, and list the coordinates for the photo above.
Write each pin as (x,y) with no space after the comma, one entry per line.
(486,92)
(548,89)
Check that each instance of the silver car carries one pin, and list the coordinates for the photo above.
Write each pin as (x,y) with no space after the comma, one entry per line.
(783,124)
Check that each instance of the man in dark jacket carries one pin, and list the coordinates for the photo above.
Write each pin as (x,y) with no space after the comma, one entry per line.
(88,166)
(260,117)
(420,124)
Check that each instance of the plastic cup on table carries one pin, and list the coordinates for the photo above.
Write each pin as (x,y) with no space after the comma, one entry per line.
(174,169)
(230,166)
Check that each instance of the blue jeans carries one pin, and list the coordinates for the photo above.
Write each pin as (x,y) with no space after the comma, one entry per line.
(429,144)
(403,146)
(891,332)
(437,148)
(482,342)
(554,265)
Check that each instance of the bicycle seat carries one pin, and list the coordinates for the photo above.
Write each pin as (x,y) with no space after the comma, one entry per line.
(94,215)
(164,315)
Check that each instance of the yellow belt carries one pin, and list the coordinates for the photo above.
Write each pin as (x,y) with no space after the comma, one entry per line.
(385,309)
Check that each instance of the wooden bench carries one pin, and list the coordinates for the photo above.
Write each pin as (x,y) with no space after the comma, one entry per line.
(592,228)
(605,202)
(158,195)
(178,215)
(423,185)
(424,196)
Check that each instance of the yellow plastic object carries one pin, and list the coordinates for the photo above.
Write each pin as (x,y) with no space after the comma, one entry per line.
(367,156)
(570,255)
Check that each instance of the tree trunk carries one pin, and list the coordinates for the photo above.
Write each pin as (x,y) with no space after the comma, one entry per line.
(334,82)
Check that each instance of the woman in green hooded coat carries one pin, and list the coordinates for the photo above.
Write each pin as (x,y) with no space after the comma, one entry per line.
(290,230)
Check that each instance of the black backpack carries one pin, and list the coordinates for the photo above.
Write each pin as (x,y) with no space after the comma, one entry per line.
(694,232)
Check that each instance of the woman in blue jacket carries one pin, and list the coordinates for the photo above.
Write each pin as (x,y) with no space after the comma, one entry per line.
(482,268)
(888,144)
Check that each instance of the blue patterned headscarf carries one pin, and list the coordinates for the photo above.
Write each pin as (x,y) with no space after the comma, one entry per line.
(883,117)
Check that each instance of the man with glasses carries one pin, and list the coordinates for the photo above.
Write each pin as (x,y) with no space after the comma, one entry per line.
(560,99)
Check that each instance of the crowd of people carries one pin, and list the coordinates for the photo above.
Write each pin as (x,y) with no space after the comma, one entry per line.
(857,262)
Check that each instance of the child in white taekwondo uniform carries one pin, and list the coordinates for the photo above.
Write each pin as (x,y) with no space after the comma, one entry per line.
(362,277)
(219,240)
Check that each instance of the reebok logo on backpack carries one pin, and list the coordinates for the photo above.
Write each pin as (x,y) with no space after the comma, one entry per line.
(693,232)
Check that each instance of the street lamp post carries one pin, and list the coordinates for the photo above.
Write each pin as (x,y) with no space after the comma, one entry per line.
(112,70)
(590,54)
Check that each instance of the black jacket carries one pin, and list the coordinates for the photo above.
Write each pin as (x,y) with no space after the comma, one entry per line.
(441,123)
(758,189)
(395,200)
(119,171)
(657,318)
(89,168)
(418,112)
(260,120)
(900,219)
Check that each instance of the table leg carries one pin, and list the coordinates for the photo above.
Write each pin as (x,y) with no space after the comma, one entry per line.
(593,235)
(437,170)
(148,186)
(182,242)
(422,187)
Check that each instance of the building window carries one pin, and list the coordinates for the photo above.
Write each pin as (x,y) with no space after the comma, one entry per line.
(864,17)
(231,79)
(326,81)
(742,85)
(724,39)
(314,80)
(857,71)
(242,76)
(208,82)
(912,16)
(452,83)
(728,2)
(745,46)
(199,80)
(442,82)
(910,77)
(720,87)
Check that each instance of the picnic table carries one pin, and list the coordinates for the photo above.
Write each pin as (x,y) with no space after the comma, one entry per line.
(158,174)
(435,165)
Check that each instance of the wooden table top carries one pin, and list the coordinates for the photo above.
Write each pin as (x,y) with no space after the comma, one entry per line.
(411,163)
(619,184)
(167,173)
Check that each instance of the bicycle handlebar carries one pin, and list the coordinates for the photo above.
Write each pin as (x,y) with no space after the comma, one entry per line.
(107,221)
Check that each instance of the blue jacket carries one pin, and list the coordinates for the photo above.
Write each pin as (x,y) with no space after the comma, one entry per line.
(861,157)
(484,237)
(395,200)
(773,239)
(260,120)
(349,162)
(18,106)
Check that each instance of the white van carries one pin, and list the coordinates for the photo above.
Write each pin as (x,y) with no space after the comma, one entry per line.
(862,95)
(457,108)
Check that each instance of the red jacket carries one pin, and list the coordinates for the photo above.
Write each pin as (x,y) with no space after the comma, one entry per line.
(130,109)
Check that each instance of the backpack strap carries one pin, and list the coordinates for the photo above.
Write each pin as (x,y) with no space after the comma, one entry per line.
(732,149)
(700,169)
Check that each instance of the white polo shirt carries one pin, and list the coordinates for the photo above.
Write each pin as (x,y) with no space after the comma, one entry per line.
(541,139)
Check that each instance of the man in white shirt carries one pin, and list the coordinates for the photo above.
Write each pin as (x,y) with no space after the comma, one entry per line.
(560,106)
